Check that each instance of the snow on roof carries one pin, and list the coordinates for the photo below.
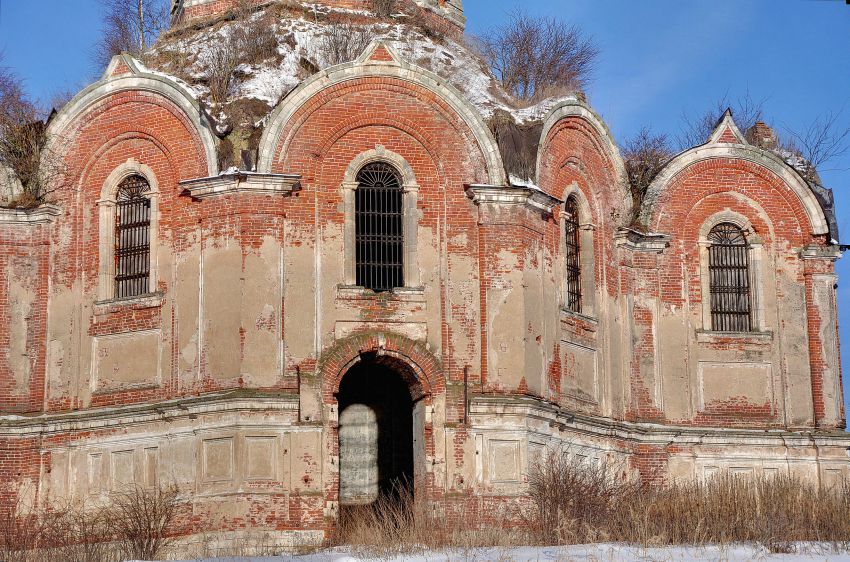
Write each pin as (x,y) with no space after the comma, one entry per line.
(299,36)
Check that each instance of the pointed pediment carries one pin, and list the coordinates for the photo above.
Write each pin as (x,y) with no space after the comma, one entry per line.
(120,65)
(726,131)
(379,52)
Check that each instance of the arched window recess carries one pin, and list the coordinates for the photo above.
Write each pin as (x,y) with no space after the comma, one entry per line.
(577,249)
(380,197)
(128,215)
(730,263)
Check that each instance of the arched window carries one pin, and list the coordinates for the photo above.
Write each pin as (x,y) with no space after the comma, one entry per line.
(379,235)
(572,255)
(729,279)
(132,237)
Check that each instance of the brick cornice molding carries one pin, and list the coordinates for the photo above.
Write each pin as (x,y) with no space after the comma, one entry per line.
(42,214)
(365,67)
(816,252)
(241,182)
(641,241)
(530,197)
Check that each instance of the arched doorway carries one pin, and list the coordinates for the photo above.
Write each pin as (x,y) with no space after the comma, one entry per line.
(380,431)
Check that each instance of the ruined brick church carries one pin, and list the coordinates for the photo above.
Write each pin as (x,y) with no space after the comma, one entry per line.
(376,299)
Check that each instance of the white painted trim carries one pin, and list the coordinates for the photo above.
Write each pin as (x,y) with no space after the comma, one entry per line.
(362,68)
(106,227)
(574,108)
(139,80)
(410,213)
(748,153)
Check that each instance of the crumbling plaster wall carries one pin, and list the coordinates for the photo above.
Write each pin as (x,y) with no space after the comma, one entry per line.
(223,379)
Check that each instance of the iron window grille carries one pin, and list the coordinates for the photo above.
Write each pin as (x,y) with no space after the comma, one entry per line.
(378,217)
(729,279)
(572,255)
(132,238)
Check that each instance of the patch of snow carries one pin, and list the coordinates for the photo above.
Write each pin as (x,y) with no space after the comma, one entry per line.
(300,35)
(803,552)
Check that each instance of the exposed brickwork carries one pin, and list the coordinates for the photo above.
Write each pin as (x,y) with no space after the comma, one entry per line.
(251,326)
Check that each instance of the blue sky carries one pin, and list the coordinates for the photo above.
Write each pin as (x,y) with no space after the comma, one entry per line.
(659,59)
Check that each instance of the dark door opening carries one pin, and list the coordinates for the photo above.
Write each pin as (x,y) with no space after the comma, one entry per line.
(375,435)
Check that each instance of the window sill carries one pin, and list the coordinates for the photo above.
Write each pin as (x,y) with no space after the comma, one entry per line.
(567,315)
(402,294)
(150,300)
(711,336)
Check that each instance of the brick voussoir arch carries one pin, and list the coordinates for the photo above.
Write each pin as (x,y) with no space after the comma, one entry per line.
(757,161)
(345,353)
(138,83)
(563,116)
(393,73)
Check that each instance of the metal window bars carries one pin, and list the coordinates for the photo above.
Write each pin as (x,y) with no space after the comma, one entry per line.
(132,238)
(729,279)
(379,238)
(572,255)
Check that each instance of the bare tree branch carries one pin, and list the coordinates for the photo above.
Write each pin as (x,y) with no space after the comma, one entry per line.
(644,155)
(23,145)
(535,58)
(130,26)
(746,111)
(824,140)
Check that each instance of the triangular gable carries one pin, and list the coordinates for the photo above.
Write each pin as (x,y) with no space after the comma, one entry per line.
(726,131)
(380,53)
(120,65)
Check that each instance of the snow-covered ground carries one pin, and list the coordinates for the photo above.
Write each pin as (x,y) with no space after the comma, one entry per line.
(579,553)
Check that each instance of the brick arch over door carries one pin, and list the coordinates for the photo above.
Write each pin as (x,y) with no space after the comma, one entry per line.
(337,360)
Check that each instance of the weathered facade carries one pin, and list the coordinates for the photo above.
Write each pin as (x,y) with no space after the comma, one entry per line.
(248,360)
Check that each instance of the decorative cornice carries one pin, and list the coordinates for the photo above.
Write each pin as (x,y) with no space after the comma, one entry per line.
(38,215)
(535,199)
(641,241)
(124,416)
(230,183)
(651,433)
(814,252)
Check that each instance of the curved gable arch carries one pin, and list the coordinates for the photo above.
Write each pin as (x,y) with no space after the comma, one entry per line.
(748,153)
(575,108)
(141,81)
(367,66)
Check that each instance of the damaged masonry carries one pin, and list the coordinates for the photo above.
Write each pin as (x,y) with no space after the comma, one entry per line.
(379,298)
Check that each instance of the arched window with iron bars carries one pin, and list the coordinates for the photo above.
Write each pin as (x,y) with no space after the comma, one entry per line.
(729,279)
(132,237)
(379,235)
(572,255)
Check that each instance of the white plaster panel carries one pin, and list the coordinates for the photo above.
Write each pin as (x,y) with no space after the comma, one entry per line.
(129,359)
(580,368)
(724,381)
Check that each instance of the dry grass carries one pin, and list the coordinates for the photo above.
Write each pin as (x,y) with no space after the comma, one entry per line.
(132,525)
(575,501)
(579,502)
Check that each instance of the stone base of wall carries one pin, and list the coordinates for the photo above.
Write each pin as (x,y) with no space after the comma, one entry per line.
(248,469)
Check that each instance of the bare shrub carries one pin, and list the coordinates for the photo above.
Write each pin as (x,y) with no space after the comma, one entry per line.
(140,519)
(534,58)
(575,501)
(383,8)
(243,42)
(342,41)
(130,26)
(24,146)
(644,156)
(823,141)
(697,129)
